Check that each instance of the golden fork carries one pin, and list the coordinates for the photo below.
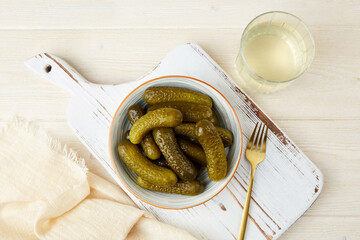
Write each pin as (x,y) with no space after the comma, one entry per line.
(255,154)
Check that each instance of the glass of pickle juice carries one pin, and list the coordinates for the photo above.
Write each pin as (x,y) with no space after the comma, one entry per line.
(275,49)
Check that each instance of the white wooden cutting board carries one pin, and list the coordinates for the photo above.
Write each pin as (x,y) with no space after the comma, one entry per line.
(286,183)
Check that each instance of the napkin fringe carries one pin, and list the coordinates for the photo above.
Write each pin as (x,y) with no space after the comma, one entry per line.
(54,144)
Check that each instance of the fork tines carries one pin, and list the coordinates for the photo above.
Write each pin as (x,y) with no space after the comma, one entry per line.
(260,135)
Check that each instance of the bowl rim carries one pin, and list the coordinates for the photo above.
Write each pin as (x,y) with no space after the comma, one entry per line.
(113,162)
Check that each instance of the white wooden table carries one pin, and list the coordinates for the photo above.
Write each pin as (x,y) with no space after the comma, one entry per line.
(118,41)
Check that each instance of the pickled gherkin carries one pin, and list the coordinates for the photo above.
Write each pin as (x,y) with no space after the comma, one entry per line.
(189,130)
(154,95)
(192,112)
(179,163)
(182,187)
(214,119)
(162,117)
(210,140)
(193,150)
(161,162)
(226,136)
(136,161)
(148,145)
(135,112)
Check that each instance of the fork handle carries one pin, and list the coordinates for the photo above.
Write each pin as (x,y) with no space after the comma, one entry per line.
(247,205)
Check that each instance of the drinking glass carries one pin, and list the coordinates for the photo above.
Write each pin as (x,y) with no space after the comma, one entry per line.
(275,49)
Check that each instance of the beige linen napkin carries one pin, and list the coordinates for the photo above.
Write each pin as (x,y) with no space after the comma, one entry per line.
(46,192)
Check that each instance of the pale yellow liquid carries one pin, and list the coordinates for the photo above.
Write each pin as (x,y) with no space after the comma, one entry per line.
(271,58)
(273,51)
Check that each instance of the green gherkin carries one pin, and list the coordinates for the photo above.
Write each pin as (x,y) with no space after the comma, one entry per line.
(136,161)
(214,119)
(148,145)
(193,150)
(154,95)
(210,140)
(162,117)
(226,136)
(182,187)
(192,112)
(162,162)
(189,130)
(179,163)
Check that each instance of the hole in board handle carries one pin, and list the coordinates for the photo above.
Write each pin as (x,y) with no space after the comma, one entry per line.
(48,68)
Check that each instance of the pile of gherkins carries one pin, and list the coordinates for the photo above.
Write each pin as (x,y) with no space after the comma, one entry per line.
(176,136)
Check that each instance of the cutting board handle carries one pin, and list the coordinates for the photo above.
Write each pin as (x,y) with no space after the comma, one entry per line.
(57,71)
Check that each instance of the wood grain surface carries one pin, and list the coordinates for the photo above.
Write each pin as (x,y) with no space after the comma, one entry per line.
(320,111)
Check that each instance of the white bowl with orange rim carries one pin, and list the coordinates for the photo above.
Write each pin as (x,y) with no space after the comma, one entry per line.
(227,118)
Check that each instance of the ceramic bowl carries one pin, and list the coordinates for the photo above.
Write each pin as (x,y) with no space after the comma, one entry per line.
(227,117)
